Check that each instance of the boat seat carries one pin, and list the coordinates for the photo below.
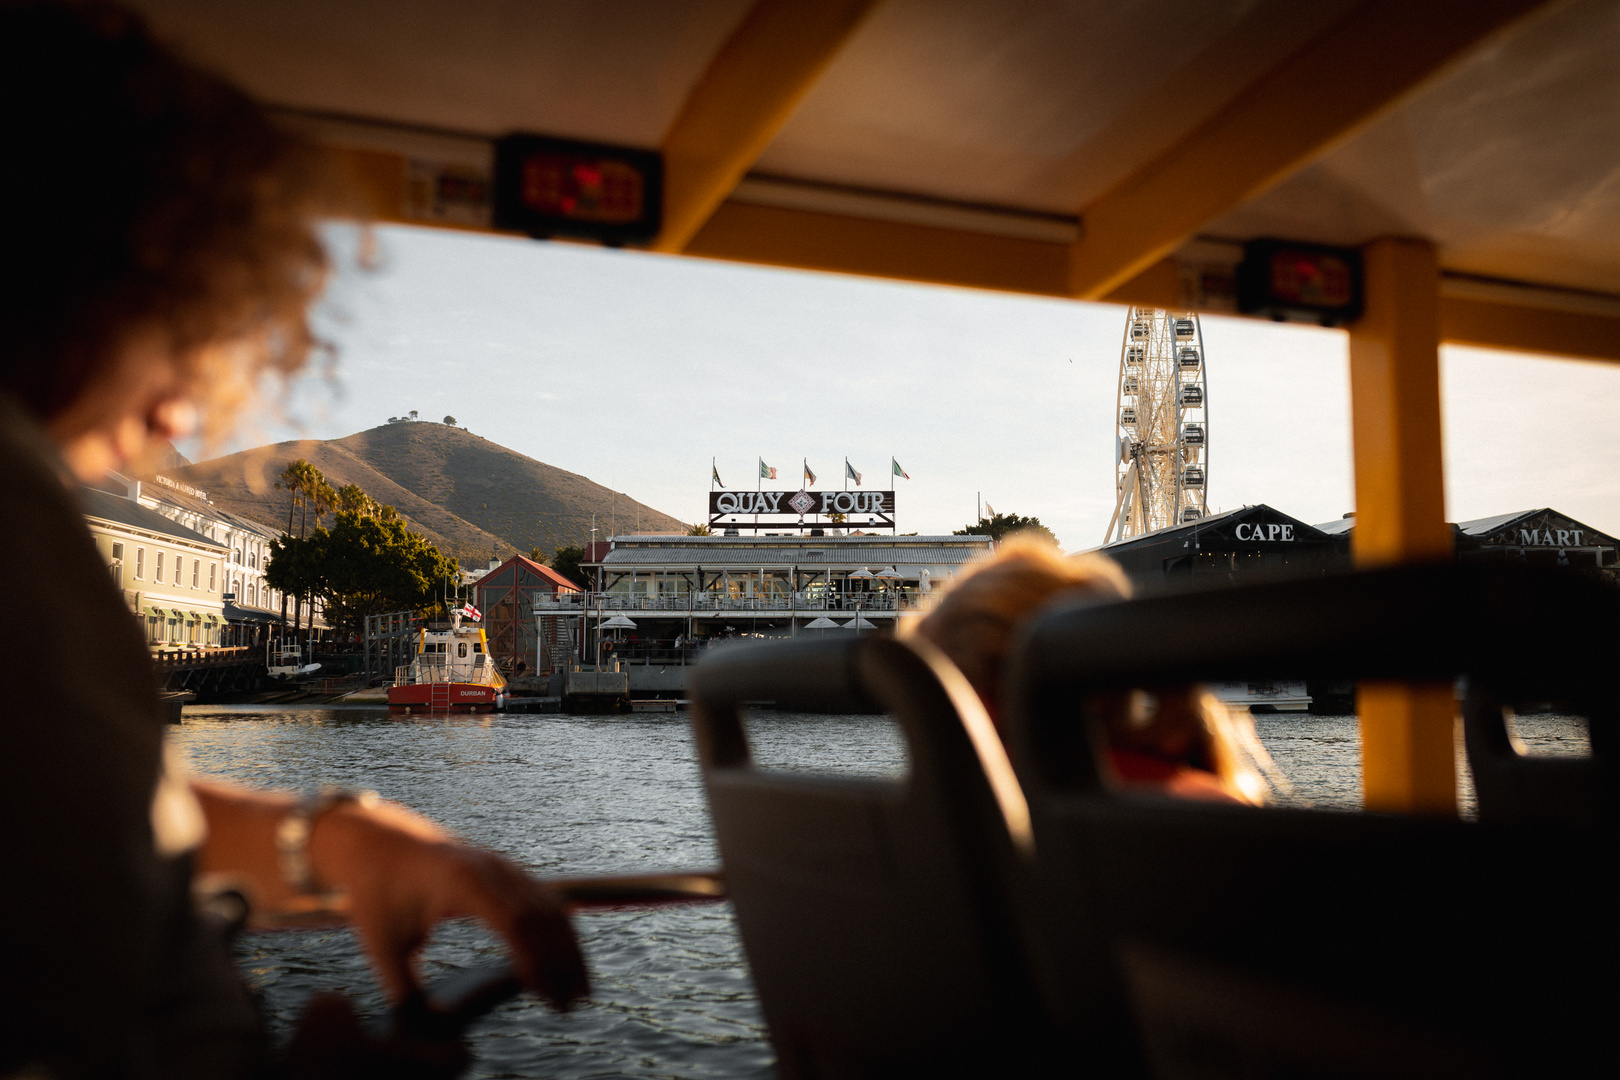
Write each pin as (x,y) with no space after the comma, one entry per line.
(1260,942)
(873,911)
(1511,785)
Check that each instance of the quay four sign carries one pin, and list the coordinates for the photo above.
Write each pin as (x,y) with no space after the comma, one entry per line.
(798,504)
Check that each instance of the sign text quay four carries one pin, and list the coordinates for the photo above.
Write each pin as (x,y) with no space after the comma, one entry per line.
(797,504)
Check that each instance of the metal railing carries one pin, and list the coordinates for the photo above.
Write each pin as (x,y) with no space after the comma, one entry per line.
(431,673)
(685,603)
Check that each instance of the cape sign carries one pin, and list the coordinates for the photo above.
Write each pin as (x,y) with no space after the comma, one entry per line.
(874,508)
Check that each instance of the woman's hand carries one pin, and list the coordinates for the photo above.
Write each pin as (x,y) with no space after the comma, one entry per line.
(403,874)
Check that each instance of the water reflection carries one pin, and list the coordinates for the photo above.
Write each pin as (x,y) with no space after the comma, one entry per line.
(578,795)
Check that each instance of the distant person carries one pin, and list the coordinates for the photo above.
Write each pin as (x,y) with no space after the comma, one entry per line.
(161,250)
(1186,743)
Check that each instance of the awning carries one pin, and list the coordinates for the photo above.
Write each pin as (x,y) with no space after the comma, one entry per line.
(194,616)
(237,614)
(157,611)
(210,618)
(177,613)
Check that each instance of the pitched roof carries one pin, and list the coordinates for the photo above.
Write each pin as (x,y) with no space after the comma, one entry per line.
(1486,525)
(114,508)
(1171,531)
(532,567)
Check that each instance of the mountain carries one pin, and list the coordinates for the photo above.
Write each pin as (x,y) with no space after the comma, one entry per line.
(467,495)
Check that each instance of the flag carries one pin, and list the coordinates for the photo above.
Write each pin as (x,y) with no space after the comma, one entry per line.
(989,511)
(898,471)
(809,477)
(470,612)
(765,471)
(717,481)
(849,471)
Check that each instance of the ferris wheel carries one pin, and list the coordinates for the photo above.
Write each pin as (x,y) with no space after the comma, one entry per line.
(1161,444)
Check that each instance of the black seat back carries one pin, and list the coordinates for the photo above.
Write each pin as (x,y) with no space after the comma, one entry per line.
(1291,942)
(873,911)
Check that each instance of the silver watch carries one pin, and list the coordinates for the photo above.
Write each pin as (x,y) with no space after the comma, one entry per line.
(294,830)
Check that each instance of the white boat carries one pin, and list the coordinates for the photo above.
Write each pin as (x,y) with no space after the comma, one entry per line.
(452,672)
(286,662)
(1264,695)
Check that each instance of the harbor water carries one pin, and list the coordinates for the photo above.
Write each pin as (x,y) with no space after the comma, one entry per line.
(589,795)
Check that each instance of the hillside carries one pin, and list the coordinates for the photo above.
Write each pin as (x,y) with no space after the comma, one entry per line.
(467,495)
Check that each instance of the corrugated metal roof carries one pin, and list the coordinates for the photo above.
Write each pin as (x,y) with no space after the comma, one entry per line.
(1486,525)
(837,552)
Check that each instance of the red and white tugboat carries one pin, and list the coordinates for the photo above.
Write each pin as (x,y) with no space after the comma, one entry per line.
(452,672)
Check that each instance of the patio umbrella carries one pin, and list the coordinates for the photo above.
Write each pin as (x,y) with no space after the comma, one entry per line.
(822,623)
(859,623)
(864,574)
(618,622)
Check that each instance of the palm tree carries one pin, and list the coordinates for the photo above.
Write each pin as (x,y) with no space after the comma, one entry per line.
(353,500)
(292,479)
(308,488)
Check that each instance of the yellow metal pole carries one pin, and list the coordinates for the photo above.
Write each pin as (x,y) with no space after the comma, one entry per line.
(1407,747)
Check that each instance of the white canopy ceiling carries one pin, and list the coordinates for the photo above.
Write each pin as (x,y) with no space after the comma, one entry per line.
(1009,118)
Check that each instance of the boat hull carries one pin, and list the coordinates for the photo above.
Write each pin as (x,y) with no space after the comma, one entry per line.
(443,697)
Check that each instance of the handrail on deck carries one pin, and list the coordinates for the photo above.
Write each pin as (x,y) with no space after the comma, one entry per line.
(691,602)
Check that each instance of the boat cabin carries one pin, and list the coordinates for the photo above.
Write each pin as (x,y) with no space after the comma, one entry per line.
(1413,174)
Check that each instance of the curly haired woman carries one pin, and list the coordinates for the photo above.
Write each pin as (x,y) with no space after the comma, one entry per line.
(161,252)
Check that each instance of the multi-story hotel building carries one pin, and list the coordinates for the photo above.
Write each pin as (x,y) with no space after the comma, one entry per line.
(172,577)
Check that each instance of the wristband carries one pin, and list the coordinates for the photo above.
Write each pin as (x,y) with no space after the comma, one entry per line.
(293,833)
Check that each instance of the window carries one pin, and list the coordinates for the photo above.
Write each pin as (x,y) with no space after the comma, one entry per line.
(196,572)
(253,594)
(140,563)
(118,551)
(213,575)
(253,559)
(157,573)
(461,649)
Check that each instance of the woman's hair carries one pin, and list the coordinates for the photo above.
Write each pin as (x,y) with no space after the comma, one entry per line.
(142,193)
(977,620)
(974,622)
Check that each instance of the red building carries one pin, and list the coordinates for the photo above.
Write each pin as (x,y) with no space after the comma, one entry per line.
(506,596)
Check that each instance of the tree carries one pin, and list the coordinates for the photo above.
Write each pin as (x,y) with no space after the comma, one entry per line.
(700,529)
(539,556)
(361,566)
(450,420)
(300,479)
(1004,525)
(566,560)
(412,414)
(353,500)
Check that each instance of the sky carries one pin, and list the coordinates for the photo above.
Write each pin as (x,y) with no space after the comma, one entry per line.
(636,370)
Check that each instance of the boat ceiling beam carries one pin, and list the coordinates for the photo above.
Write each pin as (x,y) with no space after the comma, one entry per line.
(750,89)
(1329,89)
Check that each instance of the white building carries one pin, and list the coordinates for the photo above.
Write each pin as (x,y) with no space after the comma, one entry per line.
(250,602)
(172,577)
